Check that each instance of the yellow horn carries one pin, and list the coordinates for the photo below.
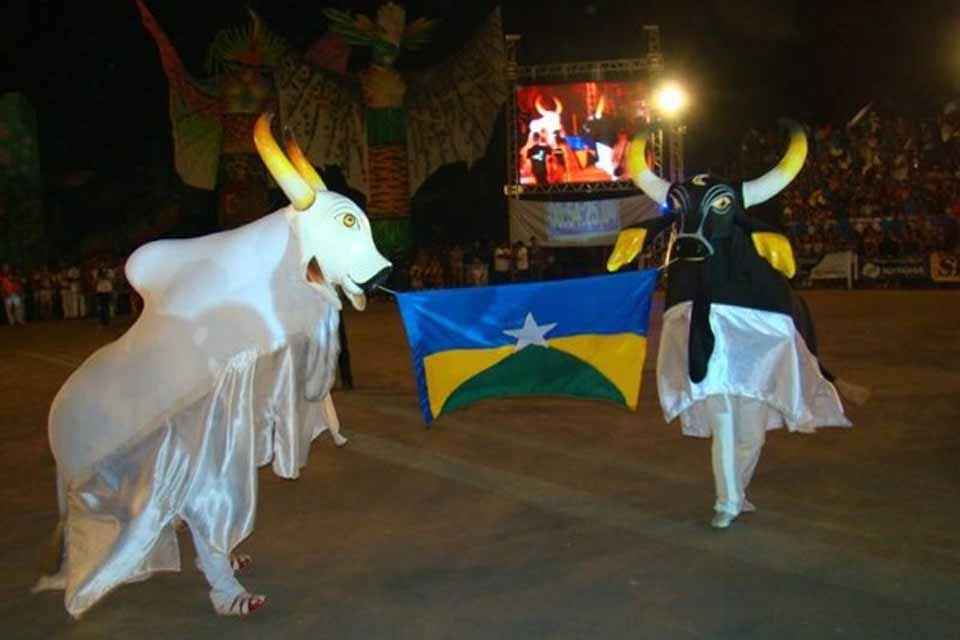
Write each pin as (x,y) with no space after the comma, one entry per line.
(298,191)
(301,163)
(776,180)
(650,183)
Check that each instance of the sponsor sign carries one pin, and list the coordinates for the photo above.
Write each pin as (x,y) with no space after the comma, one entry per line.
(893,268)
(945,267)
(567,219)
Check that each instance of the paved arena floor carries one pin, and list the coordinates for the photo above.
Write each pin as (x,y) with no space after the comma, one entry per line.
(545,518)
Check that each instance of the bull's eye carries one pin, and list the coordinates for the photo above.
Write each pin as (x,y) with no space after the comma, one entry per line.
(721,203)
(349,220)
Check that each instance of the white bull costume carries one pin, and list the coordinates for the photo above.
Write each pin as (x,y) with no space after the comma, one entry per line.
(738,352)
(229,367)
(549,121)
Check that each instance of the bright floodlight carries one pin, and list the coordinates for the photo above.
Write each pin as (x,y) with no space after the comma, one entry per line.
(670,100)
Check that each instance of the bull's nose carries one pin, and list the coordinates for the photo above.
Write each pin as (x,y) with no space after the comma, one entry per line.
(377,280)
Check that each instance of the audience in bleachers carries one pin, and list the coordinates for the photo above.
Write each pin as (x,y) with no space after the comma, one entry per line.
(883,185)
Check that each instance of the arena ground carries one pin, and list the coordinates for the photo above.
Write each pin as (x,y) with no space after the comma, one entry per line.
(546,518)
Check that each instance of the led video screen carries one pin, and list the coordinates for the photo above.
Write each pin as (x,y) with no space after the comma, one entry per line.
(577,132)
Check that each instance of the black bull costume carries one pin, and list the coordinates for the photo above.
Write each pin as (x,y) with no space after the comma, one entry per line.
(738,352)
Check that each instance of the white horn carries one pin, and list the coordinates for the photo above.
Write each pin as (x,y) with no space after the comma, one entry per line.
(538,104)
(653,185)
(774,181)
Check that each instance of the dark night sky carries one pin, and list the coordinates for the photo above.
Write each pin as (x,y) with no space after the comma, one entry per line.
(94,75)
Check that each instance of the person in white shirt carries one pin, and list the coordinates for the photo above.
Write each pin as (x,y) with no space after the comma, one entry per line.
(521,262)
(477,273)
(68,301)
(104,289)
(502,261)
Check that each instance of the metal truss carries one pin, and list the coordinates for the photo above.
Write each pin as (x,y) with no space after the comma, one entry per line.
(675,146)
(597,70)
(656,144)
(512,147)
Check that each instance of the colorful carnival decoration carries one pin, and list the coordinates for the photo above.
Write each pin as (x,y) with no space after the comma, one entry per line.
(411,124)
(386,131)
(738,352)
(384,90)
(228,368)
(212,118)
(21,202)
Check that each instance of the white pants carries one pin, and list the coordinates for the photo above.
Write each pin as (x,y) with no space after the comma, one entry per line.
(739,430)
(69,301)
(14,307)
(224,587)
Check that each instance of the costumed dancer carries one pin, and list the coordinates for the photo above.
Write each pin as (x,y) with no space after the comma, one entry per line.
(229,367)
(738,352)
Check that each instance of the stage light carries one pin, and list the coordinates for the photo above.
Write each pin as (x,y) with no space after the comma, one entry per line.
(670,99)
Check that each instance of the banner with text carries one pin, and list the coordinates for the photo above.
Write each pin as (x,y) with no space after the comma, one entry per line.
(582,223)
(899,269)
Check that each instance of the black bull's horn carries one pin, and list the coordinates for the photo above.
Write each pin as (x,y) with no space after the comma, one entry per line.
(754,191)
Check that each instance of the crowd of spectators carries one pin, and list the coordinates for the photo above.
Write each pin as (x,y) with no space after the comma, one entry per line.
(96,288)
(884,185)
(478,264)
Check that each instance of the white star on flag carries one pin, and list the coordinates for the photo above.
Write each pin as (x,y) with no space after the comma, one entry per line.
(530,333)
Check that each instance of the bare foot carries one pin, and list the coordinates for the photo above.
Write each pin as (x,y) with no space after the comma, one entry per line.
(722,519)
(241,605)
(240,561)
(56,582)
(855,393)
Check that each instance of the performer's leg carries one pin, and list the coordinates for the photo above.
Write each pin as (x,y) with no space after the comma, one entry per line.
(69,307)
(332,420)
(228,596)
(723,455)
(751,432)
(343,361)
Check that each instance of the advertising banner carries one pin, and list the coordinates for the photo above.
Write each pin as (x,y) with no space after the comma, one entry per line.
(945,267)
(901,269)
(581,223)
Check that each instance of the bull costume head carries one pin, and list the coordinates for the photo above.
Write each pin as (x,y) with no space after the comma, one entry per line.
(718,253)
(336,243)
(548,121)
(706,206)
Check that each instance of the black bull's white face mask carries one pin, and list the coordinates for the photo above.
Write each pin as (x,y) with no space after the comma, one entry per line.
(705,209)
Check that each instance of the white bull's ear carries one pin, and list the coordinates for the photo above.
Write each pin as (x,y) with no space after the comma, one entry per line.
(299,160)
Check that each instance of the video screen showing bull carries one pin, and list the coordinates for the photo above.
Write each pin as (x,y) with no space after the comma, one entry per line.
(577,132)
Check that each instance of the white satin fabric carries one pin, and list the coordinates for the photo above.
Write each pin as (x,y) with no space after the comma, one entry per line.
(757,355)
(739,431)
(229,368)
